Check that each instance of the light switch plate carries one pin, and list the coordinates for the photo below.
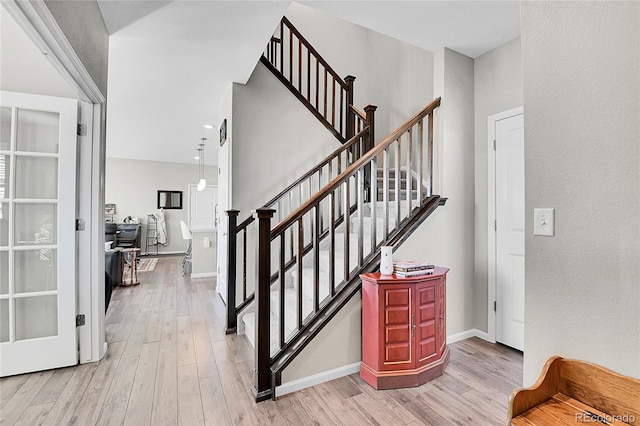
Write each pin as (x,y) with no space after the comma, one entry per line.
(544,222)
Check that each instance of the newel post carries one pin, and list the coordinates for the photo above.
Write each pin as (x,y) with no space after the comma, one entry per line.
(351,116)
(232,316)
(370,111)
(262,389)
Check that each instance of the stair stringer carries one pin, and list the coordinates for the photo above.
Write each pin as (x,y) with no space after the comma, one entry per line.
(348,290)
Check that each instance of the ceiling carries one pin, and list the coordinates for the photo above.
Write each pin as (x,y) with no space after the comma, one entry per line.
(170,62)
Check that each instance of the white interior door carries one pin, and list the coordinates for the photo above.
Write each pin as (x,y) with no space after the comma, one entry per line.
(37,233)
(509,197)
(202,208)
(224,204)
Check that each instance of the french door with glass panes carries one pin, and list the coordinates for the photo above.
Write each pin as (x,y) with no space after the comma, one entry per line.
(37,232)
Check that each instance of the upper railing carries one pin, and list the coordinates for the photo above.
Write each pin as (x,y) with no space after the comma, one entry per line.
(311,79)
(306,240)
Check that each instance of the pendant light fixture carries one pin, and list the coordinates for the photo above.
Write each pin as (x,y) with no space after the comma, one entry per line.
(202,183)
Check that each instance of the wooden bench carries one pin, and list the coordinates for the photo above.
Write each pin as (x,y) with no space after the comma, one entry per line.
(570,392)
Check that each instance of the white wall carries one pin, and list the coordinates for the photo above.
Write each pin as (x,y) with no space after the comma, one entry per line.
(24,68)
(497,88)
(581,64)
(446,237)
(132,185)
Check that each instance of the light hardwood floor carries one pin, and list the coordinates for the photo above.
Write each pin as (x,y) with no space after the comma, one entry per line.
(169,362)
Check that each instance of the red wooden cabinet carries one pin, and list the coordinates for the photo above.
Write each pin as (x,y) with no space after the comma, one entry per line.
(404,337)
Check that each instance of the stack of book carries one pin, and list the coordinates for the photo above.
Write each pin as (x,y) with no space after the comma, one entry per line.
(412,268)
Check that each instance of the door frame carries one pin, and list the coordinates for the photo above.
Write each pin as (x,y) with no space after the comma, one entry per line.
(36,20)
(222,219)
(491,217)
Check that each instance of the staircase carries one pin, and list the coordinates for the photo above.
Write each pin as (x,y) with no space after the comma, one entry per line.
(314,239)
(341,258)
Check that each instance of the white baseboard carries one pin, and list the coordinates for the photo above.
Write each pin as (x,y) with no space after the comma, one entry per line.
(204,275)
(474,332)
(336,373)
(316,379)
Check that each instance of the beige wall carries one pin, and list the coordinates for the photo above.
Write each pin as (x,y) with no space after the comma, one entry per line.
(395,76)
(581,64)
(132,186)
(335,346)
(204,256)
(90,39)
(446,237)
(275,140)
(497,88)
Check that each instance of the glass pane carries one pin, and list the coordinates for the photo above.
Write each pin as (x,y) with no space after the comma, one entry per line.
(35,224)
(4,224)
(5,128)
(38,131)
(5,175)
(4,320)
(4,272)
(36,177)
(35,270)
(36,317)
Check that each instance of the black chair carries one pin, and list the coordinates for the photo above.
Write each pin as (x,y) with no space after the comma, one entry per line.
(128,235)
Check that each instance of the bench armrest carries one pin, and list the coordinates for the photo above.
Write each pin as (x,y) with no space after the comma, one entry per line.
(543,389)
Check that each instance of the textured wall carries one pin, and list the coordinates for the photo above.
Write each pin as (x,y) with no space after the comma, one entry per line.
(581,64)
(395,76)
(498,87)
(446,237)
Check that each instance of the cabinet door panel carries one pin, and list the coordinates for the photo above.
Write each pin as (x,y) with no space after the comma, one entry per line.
(397,332)
(426,323)
(395,315)
(397,297)
(396,355)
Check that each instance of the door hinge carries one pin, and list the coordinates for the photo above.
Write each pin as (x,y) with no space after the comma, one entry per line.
(495,225)
(80,225)
(495,306)
(494,144)
(79,320)
(82,129)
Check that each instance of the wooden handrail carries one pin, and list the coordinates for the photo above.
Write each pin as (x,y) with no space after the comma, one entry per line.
(300,237)
(357,112)
(357,145)
(367,157)
(302,178)
(319,166)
